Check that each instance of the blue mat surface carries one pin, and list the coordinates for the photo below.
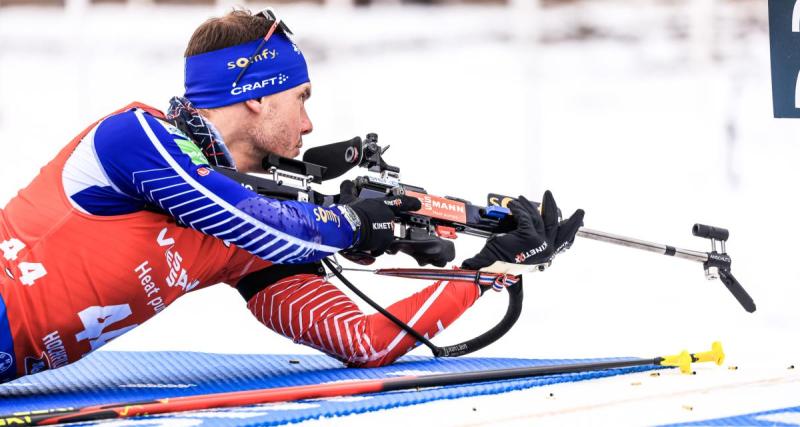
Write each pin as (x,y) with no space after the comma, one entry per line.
(777,417)
(112,377)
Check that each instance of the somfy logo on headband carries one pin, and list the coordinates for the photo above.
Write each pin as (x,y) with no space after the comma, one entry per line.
(245,71)
(243,61)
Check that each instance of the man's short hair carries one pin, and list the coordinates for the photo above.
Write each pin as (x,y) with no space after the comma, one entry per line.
(237,27)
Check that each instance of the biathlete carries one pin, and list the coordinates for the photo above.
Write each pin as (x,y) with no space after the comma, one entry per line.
(130,215)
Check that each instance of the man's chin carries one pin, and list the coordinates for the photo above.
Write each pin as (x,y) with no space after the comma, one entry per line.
(290,154)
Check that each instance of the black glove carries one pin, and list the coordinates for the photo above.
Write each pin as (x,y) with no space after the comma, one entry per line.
(536,239)
(561,234)
(375,217)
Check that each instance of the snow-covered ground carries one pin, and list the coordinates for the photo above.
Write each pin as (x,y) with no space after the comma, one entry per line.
(641,113)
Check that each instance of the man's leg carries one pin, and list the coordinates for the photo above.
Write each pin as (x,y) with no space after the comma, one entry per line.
(311,311)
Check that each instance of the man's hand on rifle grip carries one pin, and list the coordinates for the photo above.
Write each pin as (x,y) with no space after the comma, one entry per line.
(375,229)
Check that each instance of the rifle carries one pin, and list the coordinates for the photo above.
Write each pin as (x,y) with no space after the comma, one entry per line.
(426,235)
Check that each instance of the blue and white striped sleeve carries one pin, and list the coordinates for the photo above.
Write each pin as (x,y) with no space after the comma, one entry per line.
(152,161)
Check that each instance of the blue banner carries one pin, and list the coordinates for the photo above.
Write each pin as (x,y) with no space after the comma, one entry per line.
(784,36)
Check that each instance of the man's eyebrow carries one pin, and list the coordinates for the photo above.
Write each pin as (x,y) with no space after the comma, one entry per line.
(307,93)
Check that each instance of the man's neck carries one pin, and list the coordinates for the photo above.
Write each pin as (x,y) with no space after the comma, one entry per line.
(237,143)
(243,156)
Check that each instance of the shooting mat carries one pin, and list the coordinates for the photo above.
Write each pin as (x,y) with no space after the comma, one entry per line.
(111,377)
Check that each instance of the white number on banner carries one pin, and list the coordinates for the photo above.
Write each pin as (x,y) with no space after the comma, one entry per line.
(11,248)
(97,318)
(30,271)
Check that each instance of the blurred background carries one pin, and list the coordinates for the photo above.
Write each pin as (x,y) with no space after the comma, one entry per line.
(649,114)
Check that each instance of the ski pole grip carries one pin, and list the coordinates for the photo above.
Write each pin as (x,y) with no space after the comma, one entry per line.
(709,232)
(737,290)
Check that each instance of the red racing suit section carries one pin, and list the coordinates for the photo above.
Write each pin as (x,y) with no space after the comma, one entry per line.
(71,281)
(309,310)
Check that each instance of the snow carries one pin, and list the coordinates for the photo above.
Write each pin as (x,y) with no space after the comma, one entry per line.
(624,109)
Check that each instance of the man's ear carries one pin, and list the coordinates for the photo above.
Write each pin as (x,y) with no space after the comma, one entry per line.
(254,105)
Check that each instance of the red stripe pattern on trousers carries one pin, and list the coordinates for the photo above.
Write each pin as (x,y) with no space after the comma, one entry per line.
(309,310)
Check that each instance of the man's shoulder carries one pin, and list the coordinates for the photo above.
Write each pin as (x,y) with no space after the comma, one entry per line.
(133,106)
(139,129)
(138,115)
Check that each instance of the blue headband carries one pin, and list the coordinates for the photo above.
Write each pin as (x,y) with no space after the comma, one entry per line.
(279,65)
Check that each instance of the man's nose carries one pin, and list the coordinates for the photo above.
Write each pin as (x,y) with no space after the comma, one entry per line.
(307,125)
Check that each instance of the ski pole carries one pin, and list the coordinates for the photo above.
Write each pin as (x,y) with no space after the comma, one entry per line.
(717,264)
(682,360)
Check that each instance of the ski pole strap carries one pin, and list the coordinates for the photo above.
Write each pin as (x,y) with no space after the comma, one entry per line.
(498,281)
